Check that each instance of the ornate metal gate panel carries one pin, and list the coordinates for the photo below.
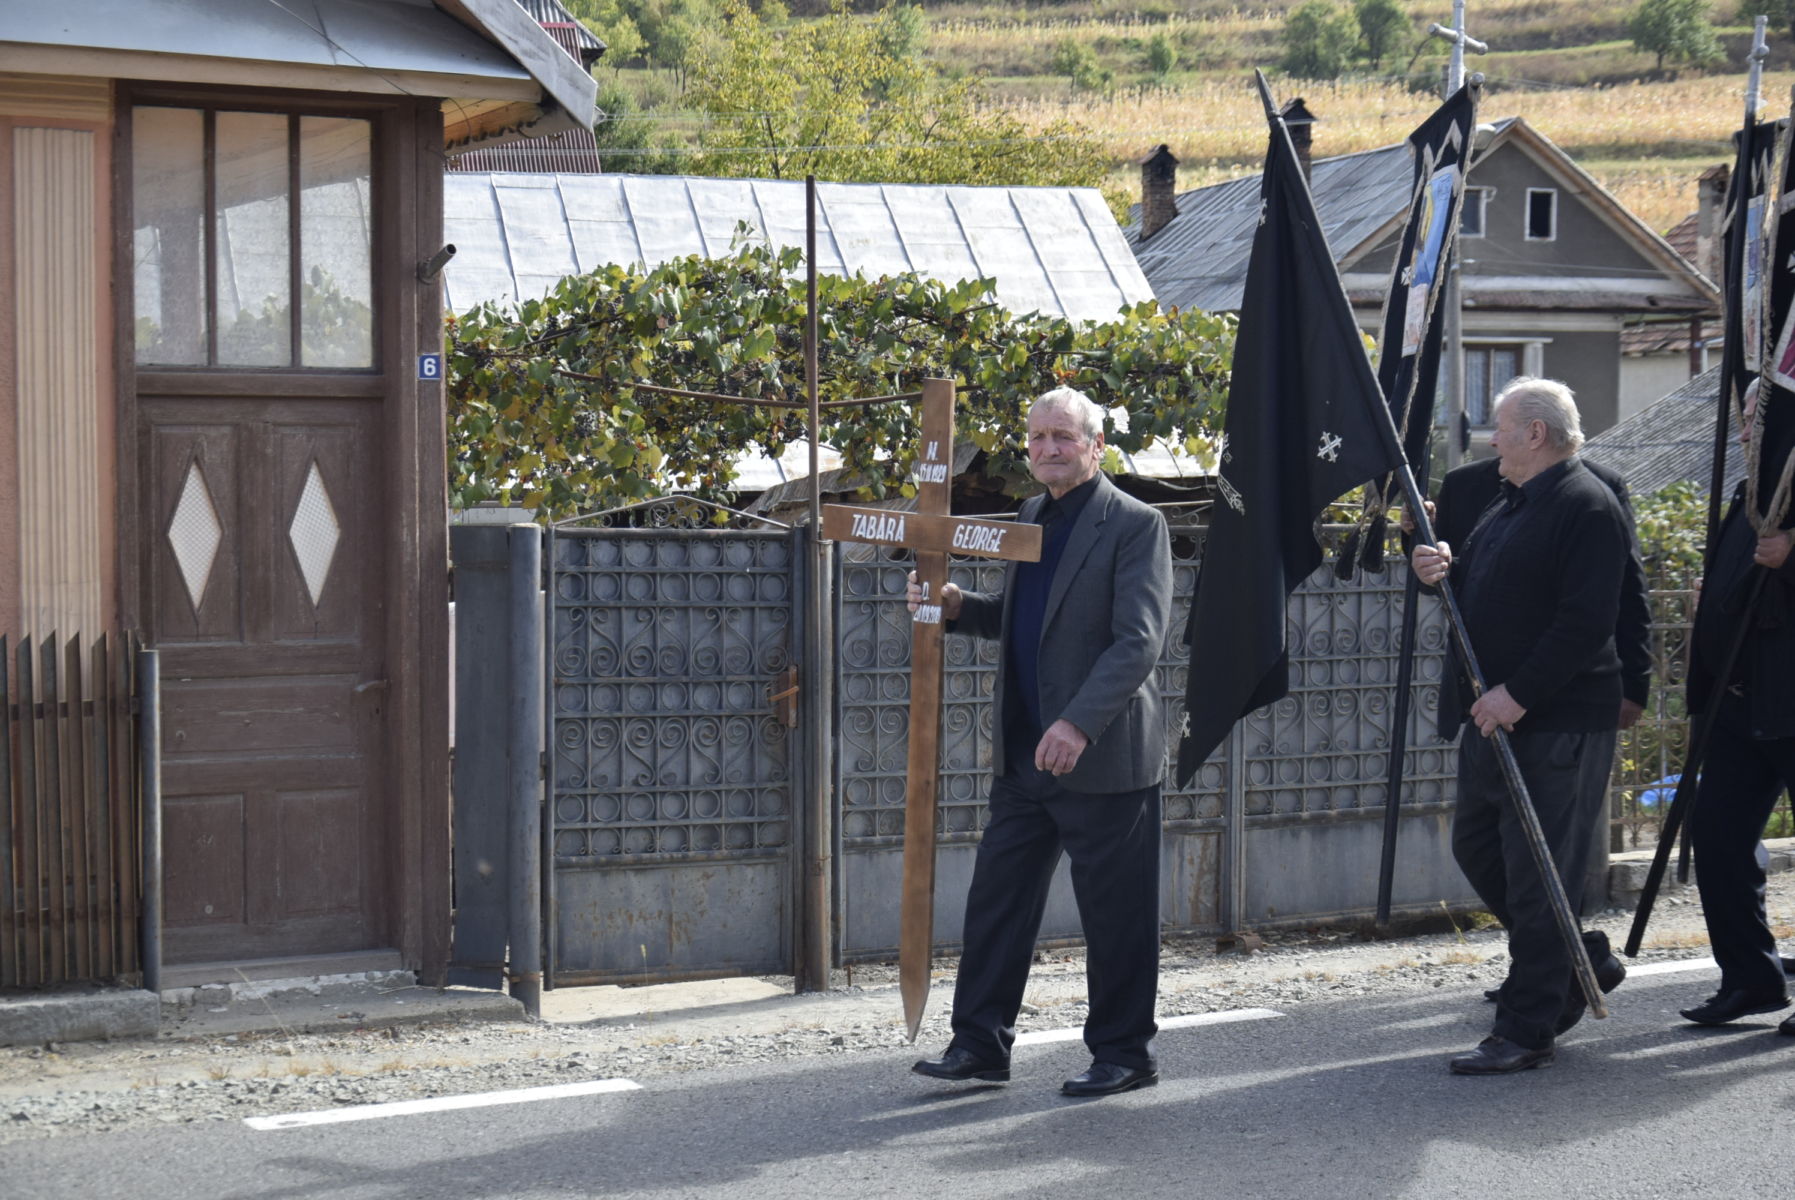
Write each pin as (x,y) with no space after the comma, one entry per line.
(671,775)
(1316,763)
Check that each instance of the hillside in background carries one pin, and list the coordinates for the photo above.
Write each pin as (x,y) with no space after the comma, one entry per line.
(1568,67)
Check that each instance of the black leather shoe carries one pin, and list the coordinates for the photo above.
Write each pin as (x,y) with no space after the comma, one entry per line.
(1106,1079)
(1788,964)
(1499,1056)
(1729,1004)
(959,1065)
(1787,1028)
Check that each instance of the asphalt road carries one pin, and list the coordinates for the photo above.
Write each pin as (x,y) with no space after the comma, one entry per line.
(1347,1099)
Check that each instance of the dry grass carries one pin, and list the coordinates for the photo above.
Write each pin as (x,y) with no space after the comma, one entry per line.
(1459,958)
(1645,142)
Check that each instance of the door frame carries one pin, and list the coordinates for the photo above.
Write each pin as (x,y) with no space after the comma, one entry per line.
(414,590)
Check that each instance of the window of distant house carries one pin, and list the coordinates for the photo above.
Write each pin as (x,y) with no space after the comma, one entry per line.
(1471,212)
(1542,214)
(252,240)
(1488,368)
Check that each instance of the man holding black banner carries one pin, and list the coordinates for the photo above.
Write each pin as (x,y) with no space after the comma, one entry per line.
(1539,583)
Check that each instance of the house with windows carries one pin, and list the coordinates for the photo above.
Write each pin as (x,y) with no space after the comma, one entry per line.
(221,427)
(1553,269)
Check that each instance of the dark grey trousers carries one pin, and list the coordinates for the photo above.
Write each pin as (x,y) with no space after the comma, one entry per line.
(1113,842)
(1567,779)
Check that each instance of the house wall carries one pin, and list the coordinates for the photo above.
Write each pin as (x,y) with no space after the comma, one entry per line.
(1648,378)
(1590,364)
(57,422)
(1585,244)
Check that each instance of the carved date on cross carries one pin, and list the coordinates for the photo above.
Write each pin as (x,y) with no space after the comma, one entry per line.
(932,533)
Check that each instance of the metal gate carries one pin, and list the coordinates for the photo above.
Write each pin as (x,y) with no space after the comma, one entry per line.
(671,766)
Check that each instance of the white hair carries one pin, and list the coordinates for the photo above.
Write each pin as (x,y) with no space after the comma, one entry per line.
(1549,402)
(1075,402)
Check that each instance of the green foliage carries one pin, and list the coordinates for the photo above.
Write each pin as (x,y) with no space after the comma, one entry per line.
(826,97)
(543,411)
(1382,26)
(1318,40)
(1162,55)
(631,138)
(1675,29)
(1673,525)
(1780,12)
(1078,62)
(613,22)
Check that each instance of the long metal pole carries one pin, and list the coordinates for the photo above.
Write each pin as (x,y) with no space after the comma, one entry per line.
(525,756)
(149,786)
(816,939)
(1399,745)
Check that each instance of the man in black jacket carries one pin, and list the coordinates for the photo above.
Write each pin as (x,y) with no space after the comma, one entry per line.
(1539,583)
(1750,757)
(1464,494)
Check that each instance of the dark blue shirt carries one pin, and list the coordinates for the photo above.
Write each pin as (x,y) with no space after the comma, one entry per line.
(1028,611)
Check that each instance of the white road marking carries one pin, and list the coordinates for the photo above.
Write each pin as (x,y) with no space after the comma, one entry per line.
(1674,966)
(1039,1036)
(406,1108)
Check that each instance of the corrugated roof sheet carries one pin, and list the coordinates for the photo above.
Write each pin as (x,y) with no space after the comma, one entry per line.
(1056,251)
(1199,260)
(1669,439)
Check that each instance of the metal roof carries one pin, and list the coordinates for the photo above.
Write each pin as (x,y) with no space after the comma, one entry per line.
(1669,439)
(500,73)
(1199,259)
(1056,251)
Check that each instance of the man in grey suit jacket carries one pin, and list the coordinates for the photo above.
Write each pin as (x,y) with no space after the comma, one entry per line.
(1079,749)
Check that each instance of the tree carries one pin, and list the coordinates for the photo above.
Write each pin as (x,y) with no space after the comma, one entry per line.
(630,139)
(613,23)
(1162,55)
(1780,12)
(543,410)
(1318,40)
(826,97)
(1675,29)
(1078,62)
(1382,24)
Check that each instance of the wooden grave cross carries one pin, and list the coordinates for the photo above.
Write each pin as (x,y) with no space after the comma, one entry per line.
(932,532)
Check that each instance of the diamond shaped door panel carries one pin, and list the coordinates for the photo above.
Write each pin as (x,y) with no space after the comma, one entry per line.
(195,554)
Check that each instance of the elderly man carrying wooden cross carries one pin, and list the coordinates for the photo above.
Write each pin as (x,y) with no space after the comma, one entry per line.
(1079,752)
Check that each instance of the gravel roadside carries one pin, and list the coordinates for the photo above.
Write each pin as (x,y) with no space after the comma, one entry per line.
(87,1087)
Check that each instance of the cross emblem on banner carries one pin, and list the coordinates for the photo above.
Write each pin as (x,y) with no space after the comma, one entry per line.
(932,533)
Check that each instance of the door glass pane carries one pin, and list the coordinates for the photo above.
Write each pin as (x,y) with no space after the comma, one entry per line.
(168,190)
(1505,364)
(254,327)
(1477,387)
(336,278)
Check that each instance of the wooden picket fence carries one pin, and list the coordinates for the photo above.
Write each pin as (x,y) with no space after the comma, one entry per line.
(70,812)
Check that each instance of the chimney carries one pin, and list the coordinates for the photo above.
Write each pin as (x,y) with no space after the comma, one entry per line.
(1710,212)
(1298,119)
(1159,185)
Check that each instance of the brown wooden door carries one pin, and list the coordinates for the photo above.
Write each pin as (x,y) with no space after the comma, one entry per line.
(263,563)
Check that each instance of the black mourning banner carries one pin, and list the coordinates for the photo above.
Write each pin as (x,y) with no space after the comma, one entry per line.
(1772,284)
(1414,325)
(1306,423)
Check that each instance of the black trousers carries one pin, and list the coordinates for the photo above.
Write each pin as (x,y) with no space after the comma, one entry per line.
(1742,779)
(1567,780)
(1113,842)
